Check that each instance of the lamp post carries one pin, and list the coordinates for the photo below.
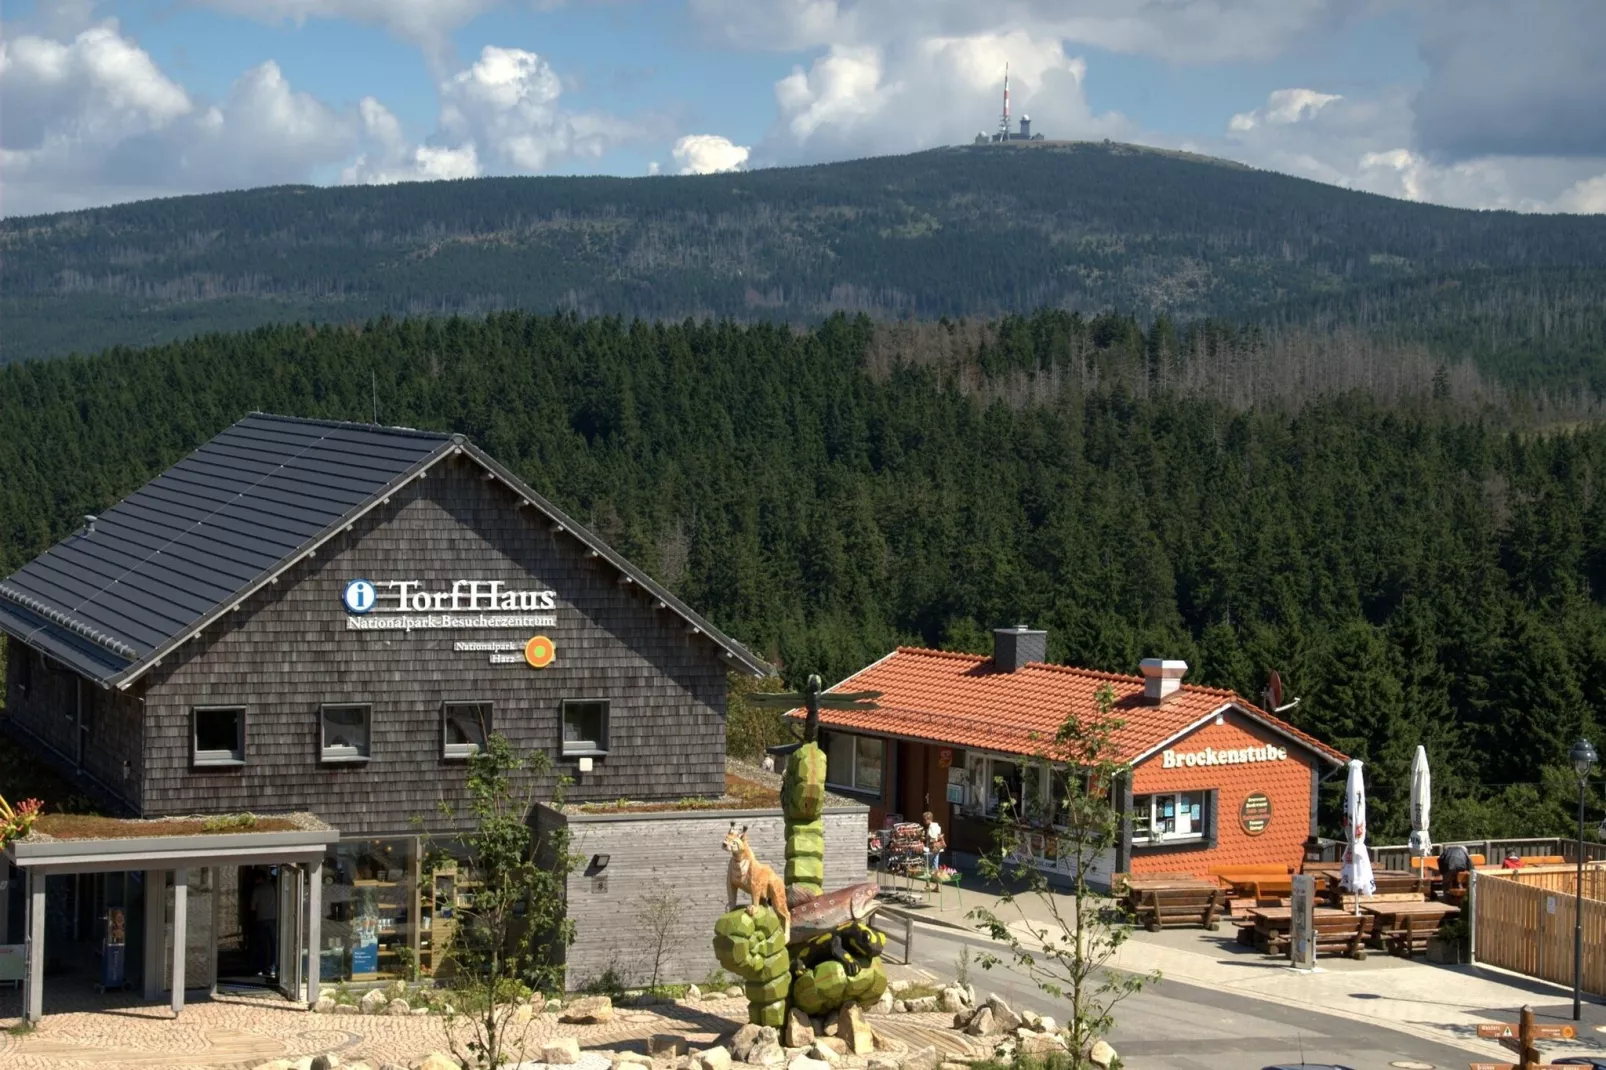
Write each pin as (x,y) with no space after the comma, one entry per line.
(1583,757)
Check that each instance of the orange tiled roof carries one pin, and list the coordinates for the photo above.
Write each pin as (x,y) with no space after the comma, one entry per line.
(960,699)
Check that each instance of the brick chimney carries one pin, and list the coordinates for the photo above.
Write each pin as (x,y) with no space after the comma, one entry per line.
(1014,647)
(1161,678)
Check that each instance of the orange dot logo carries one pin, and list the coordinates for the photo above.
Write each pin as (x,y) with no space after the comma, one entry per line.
(539,652)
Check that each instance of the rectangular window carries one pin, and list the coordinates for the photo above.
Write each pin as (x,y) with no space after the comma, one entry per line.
(585,726)
(218,735)
(1174,817)
(465,726)
(854,763)
(345,733)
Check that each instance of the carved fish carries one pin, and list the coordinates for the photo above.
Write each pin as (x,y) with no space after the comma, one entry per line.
(813,915)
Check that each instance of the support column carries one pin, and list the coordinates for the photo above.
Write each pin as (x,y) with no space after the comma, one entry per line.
(155,933)
(34,1001)
(7,875)
(181,902)
(315,929)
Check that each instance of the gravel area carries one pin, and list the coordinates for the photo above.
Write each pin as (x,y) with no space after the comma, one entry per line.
(755,772)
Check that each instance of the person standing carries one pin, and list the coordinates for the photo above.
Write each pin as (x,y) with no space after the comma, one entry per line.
(932,839)
(265,923)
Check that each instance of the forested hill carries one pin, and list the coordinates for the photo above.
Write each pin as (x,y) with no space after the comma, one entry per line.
(971,231)
(1417,574)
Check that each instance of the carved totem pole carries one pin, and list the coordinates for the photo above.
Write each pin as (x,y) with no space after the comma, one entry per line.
(833,957)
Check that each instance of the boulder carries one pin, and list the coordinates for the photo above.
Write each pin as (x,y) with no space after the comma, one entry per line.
(982,1023)
(1045,1024)
(970,995)
(553,1006)
(925,1058)
(900,1006)
(588,1010)
(799,1030)
(767,1054)
(803,1062)
(884,1043)
(854,1030)
(561,1051)
(882,1005)
(521,1015)
(882,1062)
(743,1041)
(324,1005)
(419,1012)
(923,1005)
(667,1044)
(398,1007)
(1041,1044)
(900,986)
(693,992)
(835,1044)
(1008,1021)
(953,999)
(820,1053)
(1031,1020)
(1101,1055)
(436,1061)
(733,991)
(715,1058)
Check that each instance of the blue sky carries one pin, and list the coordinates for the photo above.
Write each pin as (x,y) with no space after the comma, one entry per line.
(108,101)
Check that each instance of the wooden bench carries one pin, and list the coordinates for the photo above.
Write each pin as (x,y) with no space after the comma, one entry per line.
(1432,862)
(1337,933)
(1405,928)
(1157,908)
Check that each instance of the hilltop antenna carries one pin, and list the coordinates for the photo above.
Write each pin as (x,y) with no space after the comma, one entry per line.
(1003,123)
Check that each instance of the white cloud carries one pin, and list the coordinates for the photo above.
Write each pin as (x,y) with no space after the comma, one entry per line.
(874,100)
(1283,106)
(426,23)
(1368,144)
(653,167)
(94,119)
(500,115)
(705,154)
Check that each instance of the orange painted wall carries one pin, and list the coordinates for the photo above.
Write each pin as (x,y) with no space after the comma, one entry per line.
(1286,783)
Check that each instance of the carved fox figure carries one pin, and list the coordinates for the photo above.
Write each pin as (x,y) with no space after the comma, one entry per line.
(761,883)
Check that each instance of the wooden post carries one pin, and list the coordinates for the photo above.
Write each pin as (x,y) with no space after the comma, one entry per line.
(1529,1056)
(34,998)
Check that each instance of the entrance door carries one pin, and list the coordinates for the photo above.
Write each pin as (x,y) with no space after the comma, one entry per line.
(292,906)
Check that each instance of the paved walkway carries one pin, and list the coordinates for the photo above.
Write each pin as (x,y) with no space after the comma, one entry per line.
(1440,1003)
(92,1032)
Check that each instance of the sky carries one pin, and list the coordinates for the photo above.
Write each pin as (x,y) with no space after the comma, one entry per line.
(1472,103)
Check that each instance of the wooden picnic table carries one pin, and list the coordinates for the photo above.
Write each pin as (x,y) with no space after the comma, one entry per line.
(1157,902)
(1337,931)
(1404,928)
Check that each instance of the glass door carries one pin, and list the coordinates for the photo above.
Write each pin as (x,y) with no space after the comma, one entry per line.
(292,909)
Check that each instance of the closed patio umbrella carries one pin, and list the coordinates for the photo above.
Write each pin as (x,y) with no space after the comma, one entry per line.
(1421,803)
(1356,875)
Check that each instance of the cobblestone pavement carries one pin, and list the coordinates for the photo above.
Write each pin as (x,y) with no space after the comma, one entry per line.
(238,1032)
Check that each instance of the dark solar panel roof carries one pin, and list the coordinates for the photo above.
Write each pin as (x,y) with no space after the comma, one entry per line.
(199,534)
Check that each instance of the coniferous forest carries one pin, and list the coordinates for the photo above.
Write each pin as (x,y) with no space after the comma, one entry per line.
(1421,556)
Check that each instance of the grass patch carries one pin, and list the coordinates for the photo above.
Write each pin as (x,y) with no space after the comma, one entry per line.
(919,991)
(740,794)
(95,827)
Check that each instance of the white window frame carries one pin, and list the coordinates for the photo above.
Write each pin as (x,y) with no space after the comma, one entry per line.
(336,754)
(584,748)
(215,759)
(463,750)
(853,765)
(1198,834)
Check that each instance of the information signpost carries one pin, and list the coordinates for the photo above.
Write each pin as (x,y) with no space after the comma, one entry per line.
(1302,923)
(1521,1037)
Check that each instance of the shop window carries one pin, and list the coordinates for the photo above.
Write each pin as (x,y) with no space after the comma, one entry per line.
(218,735)
(585,726)
(345,733)
(1174,817)
(370,898)
(465,726)
(1004,786)
(854,763)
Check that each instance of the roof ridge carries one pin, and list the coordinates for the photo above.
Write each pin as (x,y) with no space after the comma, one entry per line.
(443,436)
(1056,667)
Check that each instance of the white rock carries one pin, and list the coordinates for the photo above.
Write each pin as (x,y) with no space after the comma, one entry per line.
(553,1006)
(693,992)
(1101,1055)
(436,1061)
(820,1052)
(900,1006)
(398,1007)
(854,1030)
(329,1061)
(982,1024)
(373,1001)
(1041,1044)
(925,1058)
(521,1015)
(953,999)
(882,1062)
(771,1054)
(923,1005)
(799,1030)
(715,1058)
(588,1010)
(743,1041)
(900,986)
(1029,1019)
(733,991)
(324,1005)
(970,995)
(1045,1024)
(561,1051)
(883,1005)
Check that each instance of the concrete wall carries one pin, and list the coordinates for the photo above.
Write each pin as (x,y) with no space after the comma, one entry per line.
(287,651)
(678,853)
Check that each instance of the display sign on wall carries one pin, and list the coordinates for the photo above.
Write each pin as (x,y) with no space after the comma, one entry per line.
(945,757)
(1172,759)
(1255,813)
(407,605)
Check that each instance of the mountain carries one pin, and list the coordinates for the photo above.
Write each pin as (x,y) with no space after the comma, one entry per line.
(972,231)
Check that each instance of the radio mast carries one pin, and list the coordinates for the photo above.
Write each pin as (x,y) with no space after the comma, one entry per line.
(1003,123)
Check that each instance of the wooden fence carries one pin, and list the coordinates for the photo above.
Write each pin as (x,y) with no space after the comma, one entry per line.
(1529,929)
(1398,855)
(1562,879)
